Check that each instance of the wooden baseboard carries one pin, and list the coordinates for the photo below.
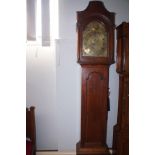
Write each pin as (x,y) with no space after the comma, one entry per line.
(55,153)
(47,151)
(58,153)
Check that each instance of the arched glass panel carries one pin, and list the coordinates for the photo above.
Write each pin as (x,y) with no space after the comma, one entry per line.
(94,40)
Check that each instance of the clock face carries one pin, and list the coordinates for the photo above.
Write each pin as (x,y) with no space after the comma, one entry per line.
(94,42)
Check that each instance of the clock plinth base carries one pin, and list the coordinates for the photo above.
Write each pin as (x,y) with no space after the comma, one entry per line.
(100,150)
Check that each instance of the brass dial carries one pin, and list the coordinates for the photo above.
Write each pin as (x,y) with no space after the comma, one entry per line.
(94,40)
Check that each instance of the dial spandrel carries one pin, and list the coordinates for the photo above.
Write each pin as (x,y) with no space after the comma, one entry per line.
(94,40)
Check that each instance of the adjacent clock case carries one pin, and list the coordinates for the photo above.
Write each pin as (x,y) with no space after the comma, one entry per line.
(121,129)
(95,28)
(122,64)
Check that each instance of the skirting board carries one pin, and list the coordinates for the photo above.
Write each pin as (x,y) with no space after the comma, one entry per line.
(55,153)
(59,153)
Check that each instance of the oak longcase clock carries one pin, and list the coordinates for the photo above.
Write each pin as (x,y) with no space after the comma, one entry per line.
(95,30)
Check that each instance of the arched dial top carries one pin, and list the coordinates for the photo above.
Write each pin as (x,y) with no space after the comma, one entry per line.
(94,40)
(95,29)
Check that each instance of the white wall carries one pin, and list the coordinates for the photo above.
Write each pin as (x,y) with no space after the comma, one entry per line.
(56,93)
(40,92)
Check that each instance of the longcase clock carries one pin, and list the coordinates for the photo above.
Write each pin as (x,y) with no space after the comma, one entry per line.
(95,29)
(121,129)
